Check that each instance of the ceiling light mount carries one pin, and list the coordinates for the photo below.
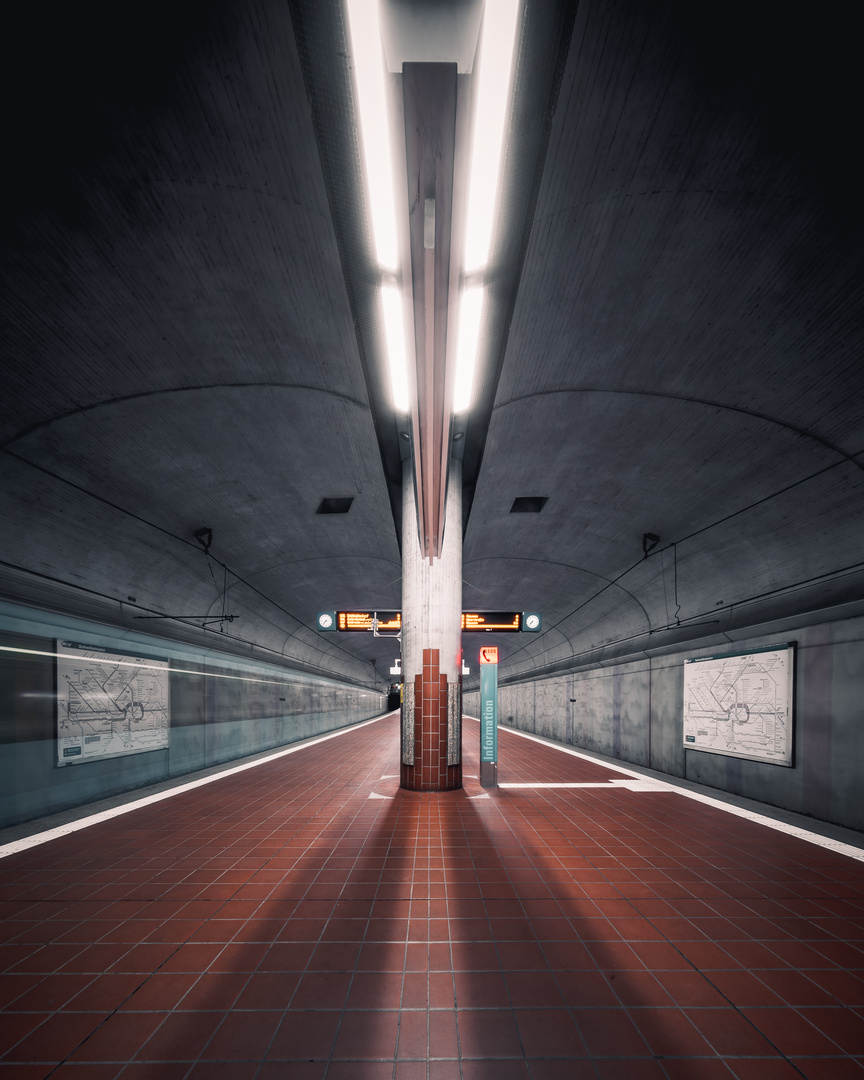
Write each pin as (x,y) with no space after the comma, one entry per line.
(429,93)
(204,536)
(649,542)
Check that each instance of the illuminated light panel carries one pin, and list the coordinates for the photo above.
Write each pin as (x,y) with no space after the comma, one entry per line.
(394,331)
(361,621)
(370,74)
(497,39)
(499,622)
(494,72)
(143,664)
(468,337)
(369,71)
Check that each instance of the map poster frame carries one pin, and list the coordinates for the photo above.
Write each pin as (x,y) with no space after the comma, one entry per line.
(742,704)
(109,703)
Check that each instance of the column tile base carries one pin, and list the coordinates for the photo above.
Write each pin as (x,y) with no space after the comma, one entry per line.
(430,770)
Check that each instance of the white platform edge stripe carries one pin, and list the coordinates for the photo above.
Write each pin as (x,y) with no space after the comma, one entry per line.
(27,842)
(632,785)
(739,811)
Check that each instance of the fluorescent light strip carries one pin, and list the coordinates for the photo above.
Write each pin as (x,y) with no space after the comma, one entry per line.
(27,842)
(497,41)
(394,331)
(368,58)
(173,670)
(370,74)
(494,76)
(718,804)
(468,337)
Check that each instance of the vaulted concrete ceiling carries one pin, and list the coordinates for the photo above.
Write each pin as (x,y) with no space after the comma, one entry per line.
(675,344)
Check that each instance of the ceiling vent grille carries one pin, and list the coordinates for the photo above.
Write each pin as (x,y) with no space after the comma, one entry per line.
(529,504)
(334,506)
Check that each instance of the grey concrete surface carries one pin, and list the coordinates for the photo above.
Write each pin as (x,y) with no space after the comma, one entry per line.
(853,837)
(633,713)
(218,713)
(191,337)
(45,823)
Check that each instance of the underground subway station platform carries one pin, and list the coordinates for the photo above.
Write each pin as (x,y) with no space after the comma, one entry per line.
(431,577)
(305,917)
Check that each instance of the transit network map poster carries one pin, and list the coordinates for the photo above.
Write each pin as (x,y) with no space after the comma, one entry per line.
(740,704)
(109,703)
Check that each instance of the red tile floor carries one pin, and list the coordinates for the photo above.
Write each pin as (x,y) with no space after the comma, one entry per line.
(305,919)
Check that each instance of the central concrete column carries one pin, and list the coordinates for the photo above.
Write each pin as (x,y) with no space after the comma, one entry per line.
(432,646)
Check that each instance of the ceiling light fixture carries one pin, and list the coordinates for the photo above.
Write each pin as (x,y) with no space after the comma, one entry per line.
(468,336)
(494,75)
(394,331)
(497,37)
(370,74)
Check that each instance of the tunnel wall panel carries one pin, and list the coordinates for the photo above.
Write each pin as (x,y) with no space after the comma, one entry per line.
(220,711)
(633,713)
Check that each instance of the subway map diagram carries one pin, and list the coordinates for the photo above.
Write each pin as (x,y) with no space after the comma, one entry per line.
(109,703)
(741,705)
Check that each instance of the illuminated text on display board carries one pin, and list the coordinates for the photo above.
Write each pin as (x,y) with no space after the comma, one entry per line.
(361,621)
(499,622)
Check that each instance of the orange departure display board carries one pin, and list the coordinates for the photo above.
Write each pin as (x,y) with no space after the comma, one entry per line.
(361,621)
(496,622)
(490,622)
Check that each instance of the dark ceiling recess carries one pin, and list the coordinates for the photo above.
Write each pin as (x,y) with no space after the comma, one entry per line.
(529,504)
(334,506)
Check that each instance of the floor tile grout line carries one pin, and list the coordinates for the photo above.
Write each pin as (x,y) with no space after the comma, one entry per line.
(702,876)
(334,846)
(827,843)
(700,972)
(35,839)
(531,823)
(688,961)
(353,974)
(165,961)
(453,996)
(119,1006)
(305,970)
(501,966)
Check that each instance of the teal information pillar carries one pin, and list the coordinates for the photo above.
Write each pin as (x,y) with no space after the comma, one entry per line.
(489,716)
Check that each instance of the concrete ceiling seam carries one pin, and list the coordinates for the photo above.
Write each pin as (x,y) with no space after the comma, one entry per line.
(699,620)
(736,605)
(852,457)
(567,566)
(325,558)
(673,544)
(170,390)
(516,255)
(683,247)
(189,543)
(750,506)
(221,641)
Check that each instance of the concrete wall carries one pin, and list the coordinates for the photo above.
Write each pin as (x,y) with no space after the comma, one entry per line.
(633,712)
(220,710)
